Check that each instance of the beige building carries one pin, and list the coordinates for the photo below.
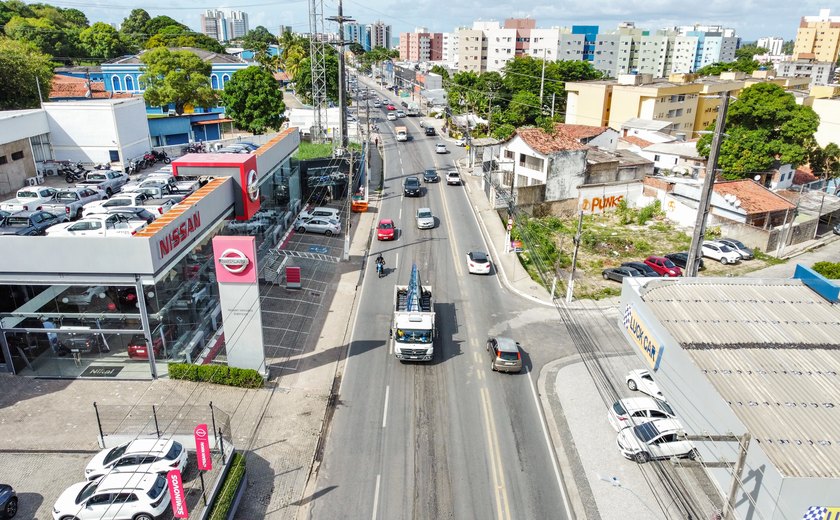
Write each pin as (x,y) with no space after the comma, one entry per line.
(472,51)
(818,37)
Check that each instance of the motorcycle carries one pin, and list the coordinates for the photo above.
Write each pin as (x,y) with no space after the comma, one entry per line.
(194,148)
(75,173)
(380,269)
(131,168)
(149,158)
(102,166)
(161,156)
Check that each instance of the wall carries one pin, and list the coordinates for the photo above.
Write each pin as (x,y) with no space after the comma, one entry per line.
(829,129)
(566,171)
(14,172)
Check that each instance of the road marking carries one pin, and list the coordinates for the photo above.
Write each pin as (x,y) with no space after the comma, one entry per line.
(376,498)
(550,449)
(385,411)
(502,504)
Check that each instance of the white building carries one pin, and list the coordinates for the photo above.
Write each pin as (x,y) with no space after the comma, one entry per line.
(820,73)
(773,44)
(214,25)
(829,130)
(556,43)
(450,48)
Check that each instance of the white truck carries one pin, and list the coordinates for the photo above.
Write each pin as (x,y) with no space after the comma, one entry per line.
(412,110)
(175,184)
(109,181)
(413,328)
(28,199)
(402,133)
(98,225)
(130,199)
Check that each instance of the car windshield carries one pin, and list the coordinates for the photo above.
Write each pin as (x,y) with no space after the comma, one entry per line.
(509,356)
(115,453)
(665,406)
(737,243)
(386,225)
(618,408)
(669,263)
(414,336)
(478,257)
(646,432)
(412,182)
(424,214)
(452,174)
(726,249)
(17,221)
(65,195)
(158,487)
(86,492)
(174,451)
(96,177)
(117,202)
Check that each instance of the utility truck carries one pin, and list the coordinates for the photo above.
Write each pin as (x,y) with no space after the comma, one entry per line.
(413,327)
(402,133)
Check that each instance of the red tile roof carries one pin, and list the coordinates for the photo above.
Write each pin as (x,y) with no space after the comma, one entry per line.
(638,141)
(754,197)
(68,87)
(804,175)
(565,138)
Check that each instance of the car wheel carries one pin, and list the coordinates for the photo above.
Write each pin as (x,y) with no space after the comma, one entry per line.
(693,454)
(69,518)
(723,260)
(492,366)
(301,229)
(606,277)
(631,384)
(328,233)
(641,457)
(109,192)
(11,507)
(144,516)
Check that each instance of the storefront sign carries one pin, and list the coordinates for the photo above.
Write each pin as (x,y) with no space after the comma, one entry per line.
(648,345)
(233,260)
(95,371)
(236,259)
(176,494)
(202,448)
(179,234)
(253,186)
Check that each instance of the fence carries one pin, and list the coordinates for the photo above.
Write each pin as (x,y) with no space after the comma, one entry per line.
(161,421)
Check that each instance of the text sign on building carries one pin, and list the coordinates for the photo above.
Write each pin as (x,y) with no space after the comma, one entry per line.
(202,448)
(190,223)
(176,494)
(236,259)
(648,345)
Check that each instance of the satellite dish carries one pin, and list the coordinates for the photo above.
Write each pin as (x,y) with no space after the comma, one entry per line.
(737,203)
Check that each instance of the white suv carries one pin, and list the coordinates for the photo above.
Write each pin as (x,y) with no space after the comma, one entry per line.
(121,496)
(720,252)
(452,177)
(144,455)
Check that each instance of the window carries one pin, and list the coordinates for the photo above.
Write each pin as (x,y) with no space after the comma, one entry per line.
(115,83)
(16,156)
(509,154)
(129,83)
(656,157)
(3,159)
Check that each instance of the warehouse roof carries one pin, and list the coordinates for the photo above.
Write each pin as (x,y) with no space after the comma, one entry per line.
(771,348)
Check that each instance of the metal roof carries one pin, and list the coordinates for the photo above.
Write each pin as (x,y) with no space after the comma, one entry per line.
(771,348)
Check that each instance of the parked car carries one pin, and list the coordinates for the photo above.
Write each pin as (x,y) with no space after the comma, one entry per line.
(657,439)
(85,297)
(425,219)
(739,247)
(642,381)
(138,349)
(430,130)
(138,456)
(680,259)
(478,262)
(836,229)
(642,267)
(28,199)
(323,225)
(109,181)
(121,496)
(453,178)
(440,148)
(8,501)
(99,225)
(461,142)
(430,176)
(633,411)
(720,252)
(386,230)
(321,211)
(129,212)
(505,355)
(70,201)
(663,266)
(80,340)
(29,223)
(619,273)
(411,187)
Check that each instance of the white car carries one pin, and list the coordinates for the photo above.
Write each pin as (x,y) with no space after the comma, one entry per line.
(121,496)
(323,225)
(634,411)
(478,262)
(658,439)
(642,381)
(425,219)
(452,177)
(321,211)
(391,116)
(720,252)
(400,113)
(461,142)
(98,225)
(140,455)
(440,148)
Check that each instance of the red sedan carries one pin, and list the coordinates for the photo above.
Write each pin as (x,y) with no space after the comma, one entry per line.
(137,348)
(385,230)
(391,107)
(663,266)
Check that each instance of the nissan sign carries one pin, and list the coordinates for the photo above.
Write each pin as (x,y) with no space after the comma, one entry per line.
(233,260)
(176,494)
(202,448)
(253,186)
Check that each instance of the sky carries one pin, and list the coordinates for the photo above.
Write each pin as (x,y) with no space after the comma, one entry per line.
(751,19)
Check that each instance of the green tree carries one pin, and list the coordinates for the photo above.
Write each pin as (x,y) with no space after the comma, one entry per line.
(12,8)
(764,124)
(157,23)
(100,40)
(825,162)
(303,78)
(787,47)
(21,63)
(253,99)
(133,28)
(504,132)
(178,77)
(179,36)
(524,109)
(441,71)
(256,36)
(748,52)
(45,34)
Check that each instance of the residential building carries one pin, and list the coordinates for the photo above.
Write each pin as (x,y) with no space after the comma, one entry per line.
(590,35)
(380,34)
(773,44)
(829,111)
(557,44)
(214,25)
(819,73)
(709,100)
(472,50)
(616,52)
(357,33)
(675,158)
(237,24)
(449,48)
(421,45)
(818,37)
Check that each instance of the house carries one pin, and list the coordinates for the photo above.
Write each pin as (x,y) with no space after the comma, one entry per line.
(675,157)
(73,88)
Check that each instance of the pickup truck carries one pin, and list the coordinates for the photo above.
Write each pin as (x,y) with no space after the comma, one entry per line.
(109,181)
(70,201)
(29,223)
(99,225)
(28,199)
(158,193)
(184,187)
(130,199)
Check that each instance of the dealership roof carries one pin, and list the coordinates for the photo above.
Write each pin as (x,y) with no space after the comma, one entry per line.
(771,348)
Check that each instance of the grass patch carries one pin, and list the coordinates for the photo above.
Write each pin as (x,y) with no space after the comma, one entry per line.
(769,260)
(224,501)
(307,150)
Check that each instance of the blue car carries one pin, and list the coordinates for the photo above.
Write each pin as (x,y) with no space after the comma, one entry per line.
(29,223)
(8,501)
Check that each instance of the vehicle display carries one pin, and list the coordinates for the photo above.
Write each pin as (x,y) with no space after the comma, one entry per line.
(109,181)
(663,266)
(478,262)
(633,411)
(131,213)
(411,187)
(440,148)
(739,247)
(413,324)
(138,456)
(425,219)
(321,211)
(642,381)
(121,496)
(322,225)
(505,355)
(720,252)
(385,230)
(131,199)
(99,225)
(402,133)
(657,439)
(430,176)
(453,178)
(29,223)
(80,340)
(619,273)
(71,201)
(28,199)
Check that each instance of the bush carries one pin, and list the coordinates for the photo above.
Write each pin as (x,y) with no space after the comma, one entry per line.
(218,374)
(225,498)
(830,270)
(650,211)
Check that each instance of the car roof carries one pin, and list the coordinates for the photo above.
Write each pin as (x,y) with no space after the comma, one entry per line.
(507,344)
(149,446)
(638,372)
(667,425)
(386,221)
(412,178)
(424,209)
(631,404)
(126,481)
(478,254)
(653,257)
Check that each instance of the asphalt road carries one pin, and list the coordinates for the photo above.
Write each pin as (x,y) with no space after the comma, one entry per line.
(450,438)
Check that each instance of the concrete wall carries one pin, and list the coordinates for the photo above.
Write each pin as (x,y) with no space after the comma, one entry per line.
(566,171)
(15,171)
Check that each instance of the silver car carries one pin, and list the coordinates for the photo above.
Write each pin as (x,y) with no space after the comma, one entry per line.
(425,219)
(322,225)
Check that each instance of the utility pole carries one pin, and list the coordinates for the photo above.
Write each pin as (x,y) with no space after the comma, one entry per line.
(571,288)
(319,80)
(693,262)
(542,79)
(342,94)
(729,506)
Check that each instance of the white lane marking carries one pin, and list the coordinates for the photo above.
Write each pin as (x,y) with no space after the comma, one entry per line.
(550,449)
(375,498)
(385,410)
(482,232)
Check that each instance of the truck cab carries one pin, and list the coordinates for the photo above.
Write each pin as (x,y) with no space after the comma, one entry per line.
(413,330)
(402,133)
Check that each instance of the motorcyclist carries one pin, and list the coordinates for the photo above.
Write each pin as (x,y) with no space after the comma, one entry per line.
(380,264)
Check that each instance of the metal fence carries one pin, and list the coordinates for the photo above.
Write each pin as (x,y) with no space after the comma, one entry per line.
(161,421)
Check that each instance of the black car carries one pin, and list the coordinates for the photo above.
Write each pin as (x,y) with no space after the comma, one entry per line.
(430,130)
(80,340)
(8,501)
(619,273)
(28,223)
(680,259)
(642,267)
(430,176)
(134,213)
(411,187)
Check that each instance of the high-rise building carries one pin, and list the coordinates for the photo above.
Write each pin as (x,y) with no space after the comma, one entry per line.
(818,37)
(472,50)
(450,47)
(380,34)
(421,45)
(213,24)
(357,33)
(773,44)
(590,34)
(237,24)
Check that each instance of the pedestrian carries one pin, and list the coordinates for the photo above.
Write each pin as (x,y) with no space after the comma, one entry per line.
(376,141)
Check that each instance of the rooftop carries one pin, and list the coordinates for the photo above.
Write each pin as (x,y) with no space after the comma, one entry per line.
(565,138)
(207,56)
(771,348)
(754,197)
(682,148)
(68,87)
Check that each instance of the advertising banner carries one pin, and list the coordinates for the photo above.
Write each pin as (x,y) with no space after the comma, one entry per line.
(202,448)
(176,494)
(648,345)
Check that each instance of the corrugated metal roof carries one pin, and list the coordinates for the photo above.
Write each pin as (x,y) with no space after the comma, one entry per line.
(772,350)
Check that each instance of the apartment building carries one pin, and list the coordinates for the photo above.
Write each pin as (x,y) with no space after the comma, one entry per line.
(616,52)
(472,50)
(379,34)
(214,25)
(773,44)
(500,43)
(557,43)
(237,24)
(357,33)
(818,37)
(421,45)
(449,47)
(819,73)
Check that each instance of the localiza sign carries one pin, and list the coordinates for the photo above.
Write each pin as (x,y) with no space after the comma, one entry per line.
(202,448)
(176,494)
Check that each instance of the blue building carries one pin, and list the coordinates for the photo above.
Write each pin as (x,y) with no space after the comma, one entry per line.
(357,33)
(590,34)
(248,54)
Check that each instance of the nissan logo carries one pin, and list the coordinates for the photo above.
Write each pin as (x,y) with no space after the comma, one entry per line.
(253,188)
(233,260)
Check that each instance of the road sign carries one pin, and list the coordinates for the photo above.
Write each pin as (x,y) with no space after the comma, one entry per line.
(467,148)
(319,249)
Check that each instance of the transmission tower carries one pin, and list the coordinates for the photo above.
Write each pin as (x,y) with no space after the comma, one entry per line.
(317,52)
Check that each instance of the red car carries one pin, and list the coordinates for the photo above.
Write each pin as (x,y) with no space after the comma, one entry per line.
(385,230)
(391,107)
(663,266)
(137,346)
